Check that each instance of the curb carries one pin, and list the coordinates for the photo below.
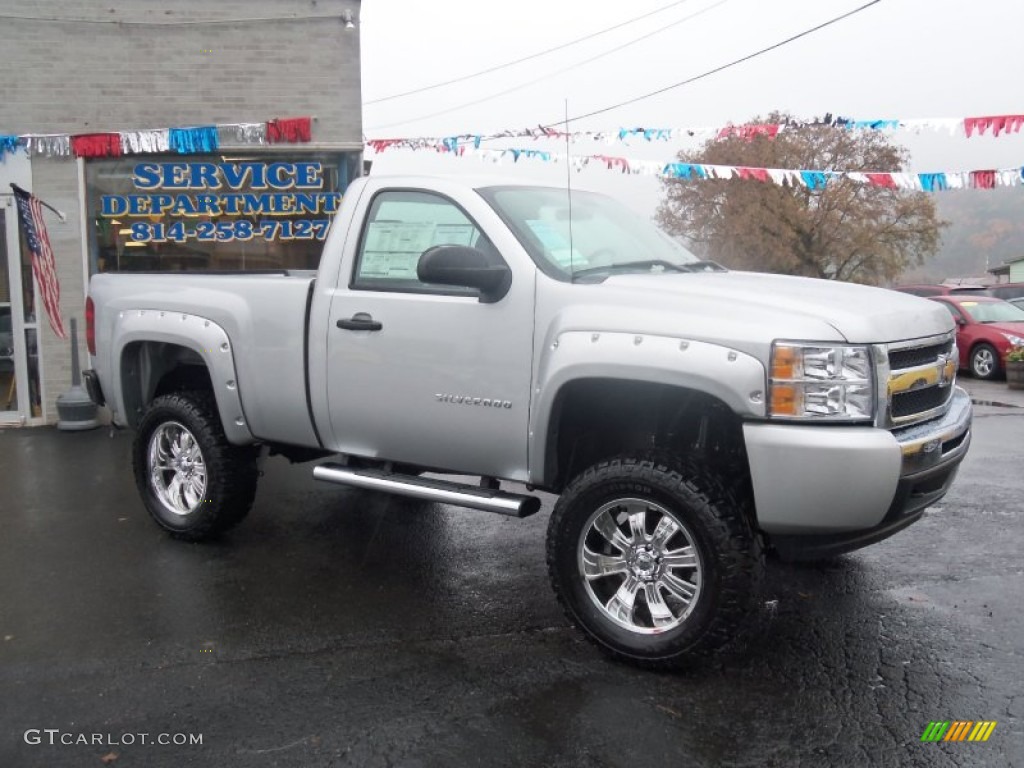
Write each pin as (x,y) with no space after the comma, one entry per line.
(994,403)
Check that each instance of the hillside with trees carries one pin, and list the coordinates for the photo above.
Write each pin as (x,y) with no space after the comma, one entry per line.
(985,228)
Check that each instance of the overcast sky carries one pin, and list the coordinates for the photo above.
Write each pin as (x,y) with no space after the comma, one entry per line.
(896,59)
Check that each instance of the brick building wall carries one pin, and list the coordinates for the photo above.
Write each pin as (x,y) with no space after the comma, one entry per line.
(192,62)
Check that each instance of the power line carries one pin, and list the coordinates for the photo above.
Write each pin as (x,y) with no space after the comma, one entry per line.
(548,75)
(525,58)
(716,69)
(174,22)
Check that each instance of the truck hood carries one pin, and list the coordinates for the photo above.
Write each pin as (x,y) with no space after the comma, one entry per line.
(781,306)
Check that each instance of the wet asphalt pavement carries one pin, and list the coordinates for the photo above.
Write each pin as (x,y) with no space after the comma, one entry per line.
(337,627)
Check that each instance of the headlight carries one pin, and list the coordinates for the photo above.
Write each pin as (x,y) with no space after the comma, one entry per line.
(1017,341)
(814,381)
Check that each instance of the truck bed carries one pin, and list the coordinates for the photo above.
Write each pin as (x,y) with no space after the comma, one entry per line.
(264,315)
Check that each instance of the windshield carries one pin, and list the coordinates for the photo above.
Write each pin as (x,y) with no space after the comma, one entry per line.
(605,236)
(993,311)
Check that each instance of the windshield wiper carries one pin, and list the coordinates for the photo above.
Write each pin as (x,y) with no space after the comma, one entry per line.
(705,265)
(648,263)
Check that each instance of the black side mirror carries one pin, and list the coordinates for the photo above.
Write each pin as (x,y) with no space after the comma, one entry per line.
(467,267)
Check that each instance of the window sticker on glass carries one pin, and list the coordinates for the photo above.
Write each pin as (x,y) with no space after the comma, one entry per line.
(397,266)
(399,236)
(453,234)
(392,248)
(555,244)
(968,303)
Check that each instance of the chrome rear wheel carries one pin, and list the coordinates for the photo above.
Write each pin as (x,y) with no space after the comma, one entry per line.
(194,483)
(177,469)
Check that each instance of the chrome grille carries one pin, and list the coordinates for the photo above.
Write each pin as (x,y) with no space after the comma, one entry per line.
(921,378)
(918,401)
(913,356)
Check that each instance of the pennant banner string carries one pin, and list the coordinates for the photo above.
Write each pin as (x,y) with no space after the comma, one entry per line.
(188,140)
(995,125)
(811,179)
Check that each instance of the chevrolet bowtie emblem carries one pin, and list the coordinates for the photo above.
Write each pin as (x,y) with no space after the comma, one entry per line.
(947,370)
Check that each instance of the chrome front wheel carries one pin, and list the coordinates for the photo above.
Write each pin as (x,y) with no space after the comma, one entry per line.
(655,558)
(640,565)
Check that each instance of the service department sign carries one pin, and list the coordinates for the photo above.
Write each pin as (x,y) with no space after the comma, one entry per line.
(225,202)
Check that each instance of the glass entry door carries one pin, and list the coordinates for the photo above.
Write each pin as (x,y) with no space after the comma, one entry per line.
(19,350)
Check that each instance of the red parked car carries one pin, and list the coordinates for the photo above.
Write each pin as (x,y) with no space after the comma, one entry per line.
(930,290)
(986,329)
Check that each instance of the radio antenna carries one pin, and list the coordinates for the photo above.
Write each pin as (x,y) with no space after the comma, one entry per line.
(568,182)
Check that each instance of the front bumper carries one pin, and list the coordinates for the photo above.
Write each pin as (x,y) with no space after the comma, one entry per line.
(821,491)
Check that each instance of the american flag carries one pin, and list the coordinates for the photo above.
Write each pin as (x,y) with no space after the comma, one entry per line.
(30,214)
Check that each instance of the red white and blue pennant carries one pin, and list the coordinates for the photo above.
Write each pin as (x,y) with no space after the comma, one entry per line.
(189,140)
(936,181)
(968,127)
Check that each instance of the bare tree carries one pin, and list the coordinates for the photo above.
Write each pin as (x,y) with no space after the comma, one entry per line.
(845,231)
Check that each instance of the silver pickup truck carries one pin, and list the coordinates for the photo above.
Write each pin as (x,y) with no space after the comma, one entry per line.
(690,419)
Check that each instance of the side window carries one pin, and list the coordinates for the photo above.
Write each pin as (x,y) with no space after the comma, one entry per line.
(400,226)
(952,310)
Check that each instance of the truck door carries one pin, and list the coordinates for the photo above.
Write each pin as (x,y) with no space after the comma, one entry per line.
(427,374)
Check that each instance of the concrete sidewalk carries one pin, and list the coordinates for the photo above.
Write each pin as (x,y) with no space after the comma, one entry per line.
(994,393)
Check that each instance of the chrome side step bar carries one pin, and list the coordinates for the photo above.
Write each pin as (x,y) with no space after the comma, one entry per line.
(440,491)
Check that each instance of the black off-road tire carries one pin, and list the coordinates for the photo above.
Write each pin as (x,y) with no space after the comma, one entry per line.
(231,471)
(712,509)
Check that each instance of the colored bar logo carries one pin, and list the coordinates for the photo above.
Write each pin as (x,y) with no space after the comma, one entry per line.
(959,730)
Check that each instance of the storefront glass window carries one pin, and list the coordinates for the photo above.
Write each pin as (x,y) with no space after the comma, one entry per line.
(13,393)
(8,392)
(31,330)
(227,212)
